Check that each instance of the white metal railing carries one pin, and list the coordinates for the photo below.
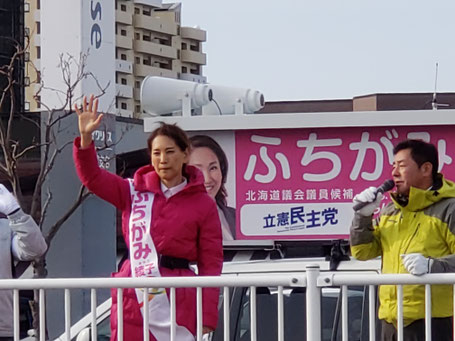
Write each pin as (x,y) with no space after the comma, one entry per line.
(198,282)
(345,280)
(313,280)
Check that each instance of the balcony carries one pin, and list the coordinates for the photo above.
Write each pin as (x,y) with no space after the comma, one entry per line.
(153,3)
(194,57)
(137,94)
(193,33)
(124,113)
(141,70)
(124,17)
(123,66)
(193,78)
(124,42)
(125,91)
(155,24)
(155,49)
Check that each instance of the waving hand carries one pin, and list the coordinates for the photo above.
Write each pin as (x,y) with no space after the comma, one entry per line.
(89,120)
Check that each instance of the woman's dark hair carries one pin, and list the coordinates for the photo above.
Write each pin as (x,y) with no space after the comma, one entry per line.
(175,133)
(199,141)
(421,152)
(172,131)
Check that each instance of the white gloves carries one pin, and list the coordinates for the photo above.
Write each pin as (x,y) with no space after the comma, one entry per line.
(371,196)
(416,263)
(8,203)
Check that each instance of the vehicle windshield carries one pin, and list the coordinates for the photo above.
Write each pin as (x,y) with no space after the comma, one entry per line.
(295,314)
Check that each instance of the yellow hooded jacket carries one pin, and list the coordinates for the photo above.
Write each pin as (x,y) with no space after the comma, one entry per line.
(426,225)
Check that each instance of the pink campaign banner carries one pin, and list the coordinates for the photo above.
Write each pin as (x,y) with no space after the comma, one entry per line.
(299,183)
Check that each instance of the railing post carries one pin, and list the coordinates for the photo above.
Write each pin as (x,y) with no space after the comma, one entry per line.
(313,304)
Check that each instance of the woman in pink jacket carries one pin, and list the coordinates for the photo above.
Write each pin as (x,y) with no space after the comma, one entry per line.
(168,220)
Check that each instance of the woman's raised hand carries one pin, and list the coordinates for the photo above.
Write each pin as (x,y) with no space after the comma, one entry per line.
(89,120)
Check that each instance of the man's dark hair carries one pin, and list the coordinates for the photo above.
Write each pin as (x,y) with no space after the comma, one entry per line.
(421,152)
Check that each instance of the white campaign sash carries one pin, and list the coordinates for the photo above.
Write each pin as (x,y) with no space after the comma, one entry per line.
(144,263)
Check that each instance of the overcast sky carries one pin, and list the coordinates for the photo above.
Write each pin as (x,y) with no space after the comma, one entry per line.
(291,49)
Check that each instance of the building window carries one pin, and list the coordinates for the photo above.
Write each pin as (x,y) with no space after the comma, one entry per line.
(195,70)
(138,60)
(147,11)
(123,33)
(38,4)
(38,27)
(184,69)
(124,106)
(137,84)
(165,64)
(138,36)
(27,31)
(184,46)
(27,106)
(26,81)
(147,61)
(26,7)
(146,38)
(123,8)
(124,82)
(123,56)
(38,52)
(26,56)
(138,108)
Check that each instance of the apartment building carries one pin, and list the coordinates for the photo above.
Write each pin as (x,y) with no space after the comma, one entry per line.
(32,67)
(149,40)
(11,34)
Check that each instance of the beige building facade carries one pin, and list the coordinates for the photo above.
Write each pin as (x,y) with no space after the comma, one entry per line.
(149,40)
(32,37)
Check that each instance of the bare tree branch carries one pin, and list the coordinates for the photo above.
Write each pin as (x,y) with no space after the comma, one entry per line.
(27,149)
(45,207)
(83,194)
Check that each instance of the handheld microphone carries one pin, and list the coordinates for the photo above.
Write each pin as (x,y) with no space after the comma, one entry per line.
(385,187)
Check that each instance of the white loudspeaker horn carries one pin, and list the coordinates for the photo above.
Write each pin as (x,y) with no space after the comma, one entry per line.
(233,101)
(161,95)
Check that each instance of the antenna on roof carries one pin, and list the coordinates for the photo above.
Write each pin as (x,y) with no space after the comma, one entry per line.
(434,102)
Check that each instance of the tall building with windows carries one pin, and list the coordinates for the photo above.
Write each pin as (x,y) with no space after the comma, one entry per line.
(12,35)
(32,67)
(149,40)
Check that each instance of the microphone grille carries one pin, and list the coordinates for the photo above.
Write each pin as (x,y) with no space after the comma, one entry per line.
(388,185)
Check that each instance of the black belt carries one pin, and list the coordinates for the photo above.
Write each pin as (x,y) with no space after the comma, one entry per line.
(174,262)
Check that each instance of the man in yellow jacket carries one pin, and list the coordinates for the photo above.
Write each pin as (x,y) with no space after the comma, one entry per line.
(414,233)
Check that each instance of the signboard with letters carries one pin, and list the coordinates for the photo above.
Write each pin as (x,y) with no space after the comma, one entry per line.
(299,183)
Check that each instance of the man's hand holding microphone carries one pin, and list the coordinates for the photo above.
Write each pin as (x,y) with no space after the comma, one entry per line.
(366,202)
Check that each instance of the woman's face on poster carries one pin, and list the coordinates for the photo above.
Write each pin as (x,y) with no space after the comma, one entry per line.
(207,162)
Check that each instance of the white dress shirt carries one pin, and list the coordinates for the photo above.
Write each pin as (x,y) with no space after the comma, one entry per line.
(169,192)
